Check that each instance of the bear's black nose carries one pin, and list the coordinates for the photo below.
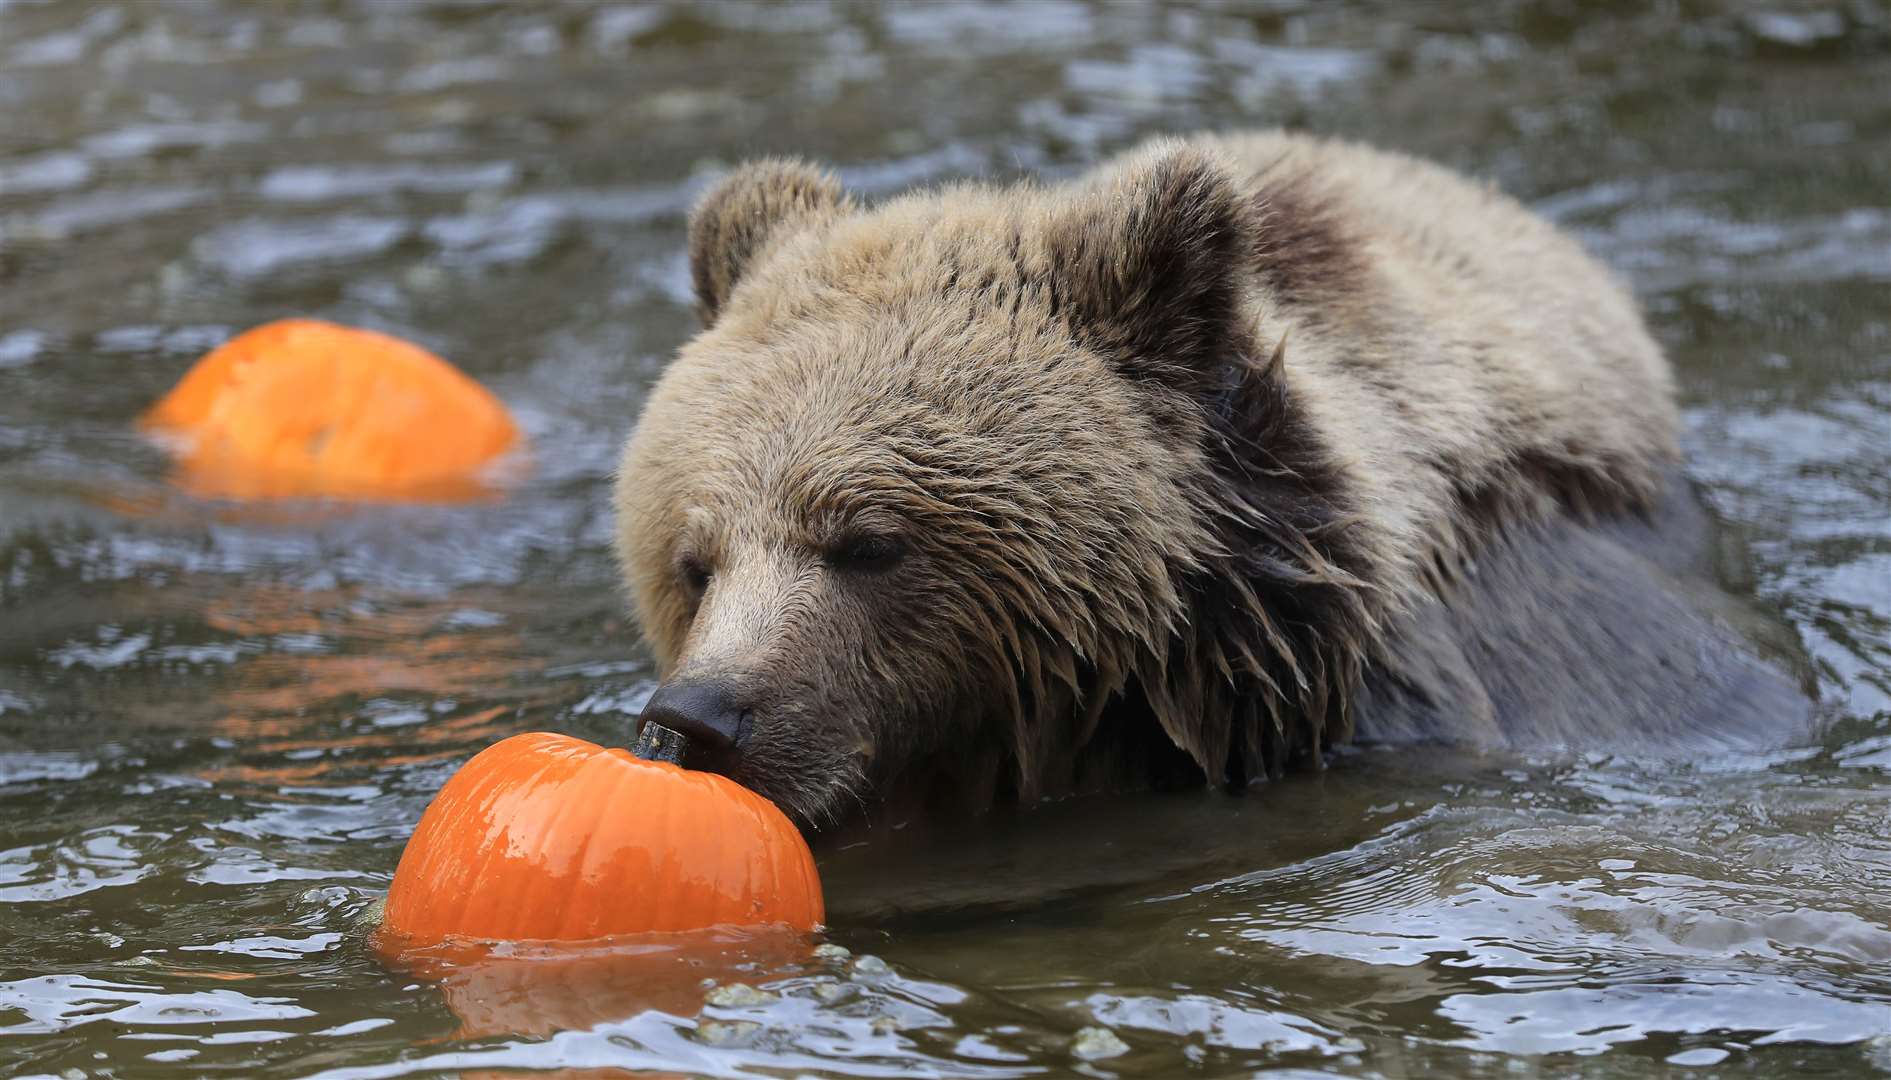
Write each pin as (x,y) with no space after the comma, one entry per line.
(707,712)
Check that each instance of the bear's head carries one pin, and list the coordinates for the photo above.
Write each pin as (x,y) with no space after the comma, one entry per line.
(944,479)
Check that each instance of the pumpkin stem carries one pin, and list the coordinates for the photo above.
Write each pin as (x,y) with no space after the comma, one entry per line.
(658,743)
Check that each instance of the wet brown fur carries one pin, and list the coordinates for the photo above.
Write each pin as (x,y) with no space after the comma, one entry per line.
(1177,453)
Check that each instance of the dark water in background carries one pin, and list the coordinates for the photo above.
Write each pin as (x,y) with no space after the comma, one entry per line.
(217,725)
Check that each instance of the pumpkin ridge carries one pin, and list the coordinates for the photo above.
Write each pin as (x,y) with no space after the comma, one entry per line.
(576,881)
(458,814)
(548,831)
(766,863)
(657,912)
(429,858)
(501,785)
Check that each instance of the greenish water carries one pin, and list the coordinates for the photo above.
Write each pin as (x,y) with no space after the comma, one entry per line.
(218,724)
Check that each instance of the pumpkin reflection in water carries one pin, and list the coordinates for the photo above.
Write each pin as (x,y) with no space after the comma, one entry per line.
(405,688)
(539,989)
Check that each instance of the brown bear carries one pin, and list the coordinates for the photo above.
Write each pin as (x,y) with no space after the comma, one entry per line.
(1233,449)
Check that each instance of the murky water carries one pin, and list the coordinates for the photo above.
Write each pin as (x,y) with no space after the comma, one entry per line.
(218,724)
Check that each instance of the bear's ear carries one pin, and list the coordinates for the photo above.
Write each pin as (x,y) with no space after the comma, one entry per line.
(743,213)
(1152,260)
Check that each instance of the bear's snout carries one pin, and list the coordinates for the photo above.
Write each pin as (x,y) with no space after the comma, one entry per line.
(710,713)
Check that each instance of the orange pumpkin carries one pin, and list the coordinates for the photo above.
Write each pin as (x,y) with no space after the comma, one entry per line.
(308,408)
(549,838)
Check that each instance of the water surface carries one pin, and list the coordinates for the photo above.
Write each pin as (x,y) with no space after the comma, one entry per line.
(219,723)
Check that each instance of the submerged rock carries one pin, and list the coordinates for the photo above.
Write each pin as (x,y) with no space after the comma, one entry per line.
(1097,1043)
(870,965)
(727,1032)
(739,996)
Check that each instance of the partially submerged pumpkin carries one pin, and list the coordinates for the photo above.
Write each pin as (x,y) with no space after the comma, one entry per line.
(303,407)
(548,838)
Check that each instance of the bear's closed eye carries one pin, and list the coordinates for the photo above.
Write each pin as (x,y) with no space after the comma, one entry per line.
(866,553)
(694,573)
